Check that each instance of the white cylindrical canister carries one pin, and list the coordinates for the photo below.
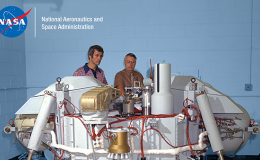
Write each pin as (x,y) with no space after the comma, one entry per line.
(41,121)
(210,123)
(162,98)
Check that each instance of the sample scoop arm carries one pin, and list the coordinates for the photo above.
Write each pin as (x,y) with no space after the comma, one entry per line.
(40,124)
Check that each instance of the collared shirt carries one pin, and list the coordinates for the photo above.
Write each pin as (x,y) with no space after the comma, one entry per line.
(127,79)
(86,71)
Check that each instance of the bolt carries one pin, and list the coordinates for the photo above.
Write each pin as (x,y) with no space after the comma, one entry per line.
(7,130)
(256,130)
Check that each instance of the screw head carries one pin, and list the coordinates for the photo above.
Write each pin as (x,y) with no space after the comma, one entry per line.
(7,130)
(256,130)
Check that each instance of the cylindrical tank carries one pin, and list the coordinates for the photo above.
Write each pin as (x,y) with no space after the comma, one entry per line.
(128,107)
(41,121)
(210,123)
(162,98)
(118,142)
(146,100)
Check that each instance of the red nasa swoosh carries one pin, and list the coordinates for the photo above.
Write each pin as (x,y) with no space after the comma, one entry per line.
(19,18)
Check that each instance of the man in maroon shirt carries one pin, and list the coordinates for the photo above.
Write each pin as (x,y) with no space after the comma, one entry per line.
(95,55)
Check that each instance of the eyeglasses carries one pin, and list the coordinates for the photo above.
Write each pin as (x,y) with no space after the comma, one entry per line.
(133,62)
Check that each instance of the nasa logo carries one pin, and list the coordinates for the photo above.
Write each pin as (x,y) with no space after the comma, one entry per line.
(13,21)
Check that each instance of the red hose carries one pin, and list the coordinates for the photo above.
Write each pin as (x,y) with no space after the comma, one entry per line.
(188,137)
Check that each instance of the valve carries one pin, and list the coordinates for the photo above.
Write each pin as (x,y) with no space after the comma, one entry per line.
(10,129)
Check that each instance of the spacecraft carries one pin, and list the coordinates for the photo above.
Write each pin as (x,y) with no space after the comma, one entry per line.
(172,117)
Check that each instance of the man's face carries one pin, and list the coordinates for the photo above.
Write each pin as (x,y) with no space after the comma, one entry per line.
(97,57)
(130,63)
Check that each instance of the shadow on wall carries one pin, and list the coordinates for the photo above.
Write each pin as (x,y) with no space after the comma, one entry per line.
(58,3)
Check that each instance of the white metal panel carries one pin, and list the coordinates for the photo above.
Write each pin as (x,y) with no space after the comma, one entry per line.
(220,102)
(77,86)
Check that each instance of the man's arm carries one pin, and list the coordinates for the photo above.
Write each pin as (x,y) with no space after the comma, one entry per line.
(118,83)
(121,88)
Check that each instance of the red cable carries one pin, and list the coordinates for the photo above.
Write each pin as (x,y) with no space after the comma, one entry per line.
(151,66)
(78,117)
(101,131)
(161,136)
(186,100)
(146,117)
(93,133)
(45,92)
(71,104)
(133,118)
(233,122)
(68,110)
(142,147)
(54,128)
(130,123)
(84,126)
(134,129)
(186,113)
(57,155)
(12,122)
(250,122)
(61,105)
(196,115)
(188,137)
(106,135)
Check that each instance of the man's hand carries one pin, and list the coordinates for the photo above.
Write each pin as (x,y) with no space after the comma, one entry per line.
(121,88)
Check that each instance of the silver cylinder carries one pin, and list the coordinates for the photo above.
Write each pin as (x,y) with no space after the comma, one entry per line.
(220,156)
(146,110)
(128,107)
(146,100)
(30,154)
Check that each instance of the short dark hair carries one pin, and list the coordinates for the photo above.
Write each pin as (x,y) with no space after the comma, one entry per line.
(131,55)
(93,48)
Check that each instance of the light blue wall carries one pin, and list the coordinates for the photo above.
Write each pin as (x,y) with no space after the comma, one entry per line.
(13,93)
(209,39)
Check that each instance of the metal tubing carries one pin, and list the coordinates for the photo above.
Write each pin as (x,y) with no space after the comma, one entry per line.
(31,152)
(238,147)
(23,145)
(220,155)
